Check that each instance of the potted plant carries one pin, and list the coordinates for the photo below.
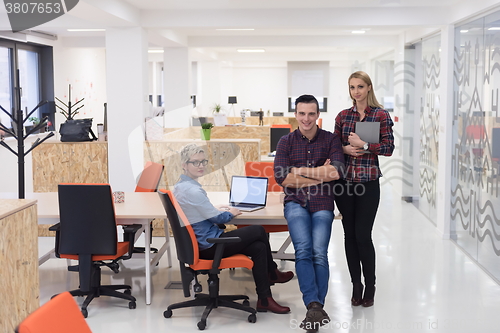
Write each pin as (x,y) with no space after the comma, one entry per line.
(206,129)
(216,108)
(36,121)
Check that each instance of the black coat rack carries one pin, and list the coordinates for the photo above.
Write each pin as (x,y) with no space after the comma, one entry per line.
(17,132)
(68,113)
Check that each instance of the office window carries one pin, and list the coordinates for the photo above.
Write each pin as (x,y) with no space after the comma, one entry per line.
(308,77)
(35,66)
(5,84)
(28,64)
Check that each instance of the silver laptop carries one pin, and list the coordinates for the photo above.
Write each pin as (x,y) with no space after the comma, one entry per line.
(248,193)
(368,131)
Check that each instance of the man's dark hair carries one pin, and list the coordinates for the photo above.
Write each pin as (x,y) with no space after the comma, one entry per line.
(307,99)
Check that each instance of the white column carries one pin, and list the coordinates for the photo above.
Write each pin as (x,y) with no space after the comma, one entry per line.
(445,131)
(127,87)
(209,87)
(178,106)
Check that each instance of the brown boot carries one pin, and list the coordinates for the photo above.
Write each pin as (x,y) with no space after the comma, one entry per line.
(315,317)
(281,277)
(357,292)
(369,296)
(269,304)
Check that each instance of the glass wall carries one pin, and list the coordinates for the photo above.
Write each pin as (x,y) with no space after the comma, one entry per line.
(382,75)
(429,123)
(475,205)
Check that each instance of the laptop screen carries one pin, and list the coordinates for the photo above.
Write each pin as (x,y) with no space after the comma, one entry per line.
(248,190)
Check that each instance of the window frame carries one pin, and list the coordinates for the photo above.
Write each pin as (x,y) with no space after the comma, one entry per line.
(45,82)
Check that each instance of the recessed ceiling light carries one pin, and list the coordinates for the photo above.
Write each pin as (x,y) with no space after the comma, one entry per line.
(155,51)
(79,30)
(494,28)
(358,31)
(464,31)
(236,29)
(251,50)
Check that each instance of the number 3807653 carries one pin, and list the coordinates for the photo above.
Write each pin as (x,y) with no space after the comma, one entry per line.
(33,8)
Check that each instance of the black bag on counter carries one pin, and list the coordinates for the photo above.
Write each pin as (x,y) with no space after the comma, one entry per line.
(77,130)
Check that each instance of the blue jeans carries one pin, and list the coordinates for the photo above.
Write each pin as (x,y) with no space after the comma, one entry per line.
(310,234)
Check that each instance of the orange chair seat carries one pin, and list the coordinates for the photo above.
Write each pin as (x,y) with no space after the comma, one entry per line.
(121,249)
(237,260)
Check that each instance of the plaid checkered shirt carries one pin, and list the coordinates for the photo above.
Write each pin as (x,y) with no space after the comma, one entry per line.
(295,150)
(365,167)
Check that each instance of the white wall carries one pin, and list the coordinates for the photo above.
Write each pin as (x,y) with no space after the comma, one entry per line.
(85,69)
(263,85)
(9,166)
(338,98)
(208,87)
(258,87)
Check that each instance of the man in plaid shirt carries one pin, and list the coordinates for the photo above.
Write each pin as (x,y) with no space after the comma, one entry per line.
(307,162)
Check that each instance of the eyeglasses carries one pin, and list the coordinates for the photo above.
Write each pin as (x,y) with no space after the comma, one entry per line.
(197,163)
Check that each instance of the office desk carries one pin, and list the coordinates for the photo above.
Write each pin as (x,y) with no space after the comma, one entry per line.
(272,214)
(138,208)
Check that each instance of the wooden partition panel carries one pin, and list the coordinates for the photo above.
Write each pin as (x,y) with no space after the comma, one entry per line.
(18,261)
(235,133)
(226,158)
(69,162)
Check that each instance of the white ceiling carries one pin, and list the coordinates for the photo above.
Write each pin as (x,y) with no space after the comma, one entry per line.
(291,29)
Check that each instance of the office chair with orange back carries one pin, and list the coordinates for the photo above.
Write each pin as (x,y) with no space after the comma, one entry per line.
(150,177)
(87,232)
(148,182)
(282,126)
(191,265)
(59,315)
(265,169)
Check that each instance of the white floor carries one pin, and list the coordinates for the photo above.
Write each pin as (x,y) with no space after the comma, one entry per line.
(424,283)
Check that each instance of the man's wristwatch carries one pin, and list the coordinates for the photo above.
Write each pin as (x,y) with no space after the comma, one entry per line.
(365,146)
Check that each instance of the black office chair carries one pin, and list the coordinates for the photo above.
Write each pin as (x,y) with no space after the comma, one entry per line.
(191,265)
(87,233)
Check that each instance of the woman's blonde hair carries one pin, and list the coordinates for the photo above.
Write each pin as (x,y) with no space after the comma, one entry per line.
(371,100)
(190,150)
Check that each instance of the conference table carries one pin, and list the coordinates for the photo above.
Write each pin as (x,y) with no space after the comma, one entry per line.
(142,207)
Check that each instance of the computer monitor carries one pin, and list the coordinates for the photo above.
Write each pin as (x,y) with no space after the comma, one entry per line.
(276,134)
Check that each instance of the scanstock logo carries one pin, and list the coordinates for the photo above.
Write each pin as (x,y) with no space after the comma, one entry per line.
(24,15)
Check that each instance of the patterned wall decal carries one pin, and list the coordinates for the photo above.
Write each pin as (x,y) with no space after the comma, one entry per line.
(429,126)
(432,69)
(395,82)
(383,78)
(475,201)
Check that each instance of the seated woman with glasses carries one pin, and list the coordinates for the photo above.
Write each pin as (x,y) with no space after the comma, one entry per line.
(205,218)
